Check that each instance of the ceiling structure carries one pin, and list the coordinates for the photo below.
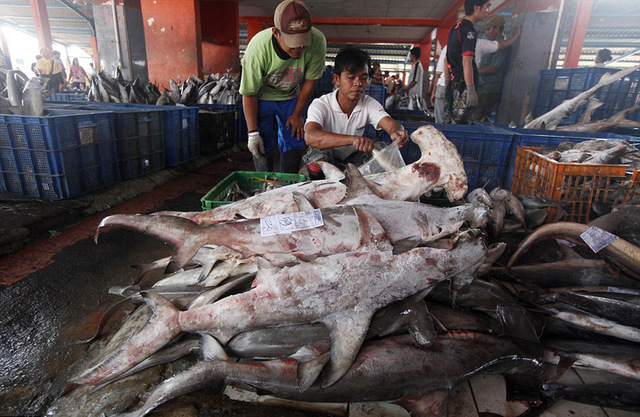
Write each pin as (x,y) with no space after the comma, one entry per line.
(385,28)
(71,21)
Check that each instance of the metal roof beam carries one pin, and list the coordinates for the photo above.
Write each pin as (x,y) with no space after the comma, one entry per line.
(74,10)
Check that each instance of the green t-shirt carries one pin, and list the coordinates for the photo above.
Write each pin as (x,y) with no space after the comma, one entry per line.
(274,79)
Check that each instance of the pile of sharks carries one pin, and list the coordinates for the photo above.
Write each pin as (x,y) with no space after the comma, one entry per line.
(349,290)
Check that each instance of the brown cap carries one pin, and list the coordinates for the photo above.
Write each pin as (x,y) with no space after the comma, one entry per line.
(496,20)
(293,21)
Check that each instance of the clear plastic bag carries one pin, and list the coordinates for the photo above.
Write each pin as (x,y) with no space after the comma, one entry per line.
(387,159)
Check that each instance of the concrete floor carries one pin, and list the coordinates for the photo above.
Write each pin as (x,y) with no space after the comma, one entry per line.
(54,291)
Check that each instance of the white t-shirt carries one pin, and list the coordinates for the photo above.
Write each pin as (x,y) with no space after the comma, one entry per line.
(416,74)
(483,46)
(327,113)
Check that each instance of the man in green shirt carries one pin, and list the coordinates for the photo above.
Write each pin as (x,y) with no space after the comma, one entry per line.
(279,72)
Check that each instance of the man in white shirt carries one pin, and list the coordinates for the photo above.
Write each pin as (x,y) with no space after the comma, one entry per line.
(336,121)
(416,74)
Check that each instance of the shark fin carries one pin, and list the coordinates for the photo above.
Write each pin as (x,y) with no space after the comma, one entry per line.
(432,404)
(330,171)
(420,325)
(211,349)
(372,235)
(309,371)
(356,184)
(302,202)
(347,332)
(515,322)
(565,363)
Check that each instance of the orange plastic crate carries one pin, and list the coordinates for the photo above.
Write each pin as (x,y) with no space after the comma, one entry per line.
(577,186)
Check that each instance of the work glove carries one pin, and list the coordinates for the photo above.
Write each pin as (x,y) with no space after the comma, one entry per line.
(472,96)
(256,145)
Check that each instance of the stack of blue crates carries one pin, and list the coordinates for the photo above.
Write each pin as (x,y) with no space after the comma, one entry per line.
(63,155)
(557,85)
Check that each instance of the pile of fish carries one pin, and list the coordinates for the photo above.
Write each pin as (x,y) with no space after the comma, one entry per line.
(598,151)
(108,89)
(214,89)
(554,117)
(321,313)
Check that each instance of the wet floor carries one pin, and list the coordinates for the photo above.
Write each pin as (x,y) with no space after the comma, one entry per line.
(54,291)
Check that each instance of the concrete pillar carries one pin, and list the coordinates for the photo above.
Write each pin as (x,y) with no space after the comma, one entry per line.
(533,6)
(5,47)
(124,48)
(173,38)
(96,54)
(41,21)
(220,41)
(578,33)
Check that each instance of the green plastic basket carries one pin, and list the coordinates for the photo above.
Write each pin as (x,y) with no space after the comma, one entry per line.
(247,181)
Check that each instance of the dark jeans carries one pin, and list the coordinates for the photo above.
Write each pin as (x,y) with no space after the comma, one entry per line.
(456,96)
(289,161)
(486,102)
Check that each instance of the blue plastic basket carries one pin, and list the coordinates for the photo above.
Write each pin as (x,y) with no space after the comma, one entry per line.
(242,132)
(484,150)
(67,97)
(558,85)
(59,156)
(140,135)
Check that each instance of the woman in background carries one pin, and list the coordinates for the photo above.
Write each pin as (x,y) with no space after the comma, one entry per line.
(77,75)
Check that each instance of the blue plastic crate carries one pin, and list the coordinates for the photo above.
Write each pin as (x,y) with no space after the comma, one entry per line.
(242,132)
(378,92)
(484,150)
(67,97)
(59,156)
(558,85)
(217,130)
(140,135)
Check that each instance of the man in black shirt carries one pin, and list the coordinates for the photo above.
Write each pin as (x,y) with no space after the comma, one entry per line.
(461,47)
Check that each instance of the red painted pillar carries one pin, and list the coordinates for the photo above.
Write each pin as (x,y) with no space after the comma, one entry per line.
(254,25)
(173,39)
(41,20)
(220,41)
(96,55)
(578,33)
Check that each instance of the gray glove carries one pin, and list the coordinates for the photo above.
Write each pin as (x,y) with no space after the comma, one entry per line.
(256,145)
(472,96)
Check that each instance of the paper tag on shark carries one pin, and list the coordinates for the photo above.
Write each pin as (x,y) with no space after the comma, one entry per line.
(597,239)
(281,224)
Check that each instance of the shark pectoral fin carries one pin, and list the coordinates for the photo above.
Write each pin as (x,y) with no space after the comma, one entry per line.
(515,322)
(277,260)
(347,331)
(420,325)
(565,363)
(211,349)
(302,202)
(309,371)
(432,404)
(372,235)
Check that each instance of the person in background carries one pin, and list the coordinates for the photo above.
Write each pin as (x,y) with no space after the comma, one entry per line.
(49,70)
(77,75)
(336,121)
(56,57)
(483,46)
(416,75)
(376,74)
(398,83)
(604,55)
(461,46)
(279,72)
(92,70)
(34,69)
(491,70)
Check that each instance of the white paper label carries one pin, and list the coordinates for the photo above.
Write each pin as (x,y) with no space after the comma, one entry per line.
(597,239)
(281,224)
